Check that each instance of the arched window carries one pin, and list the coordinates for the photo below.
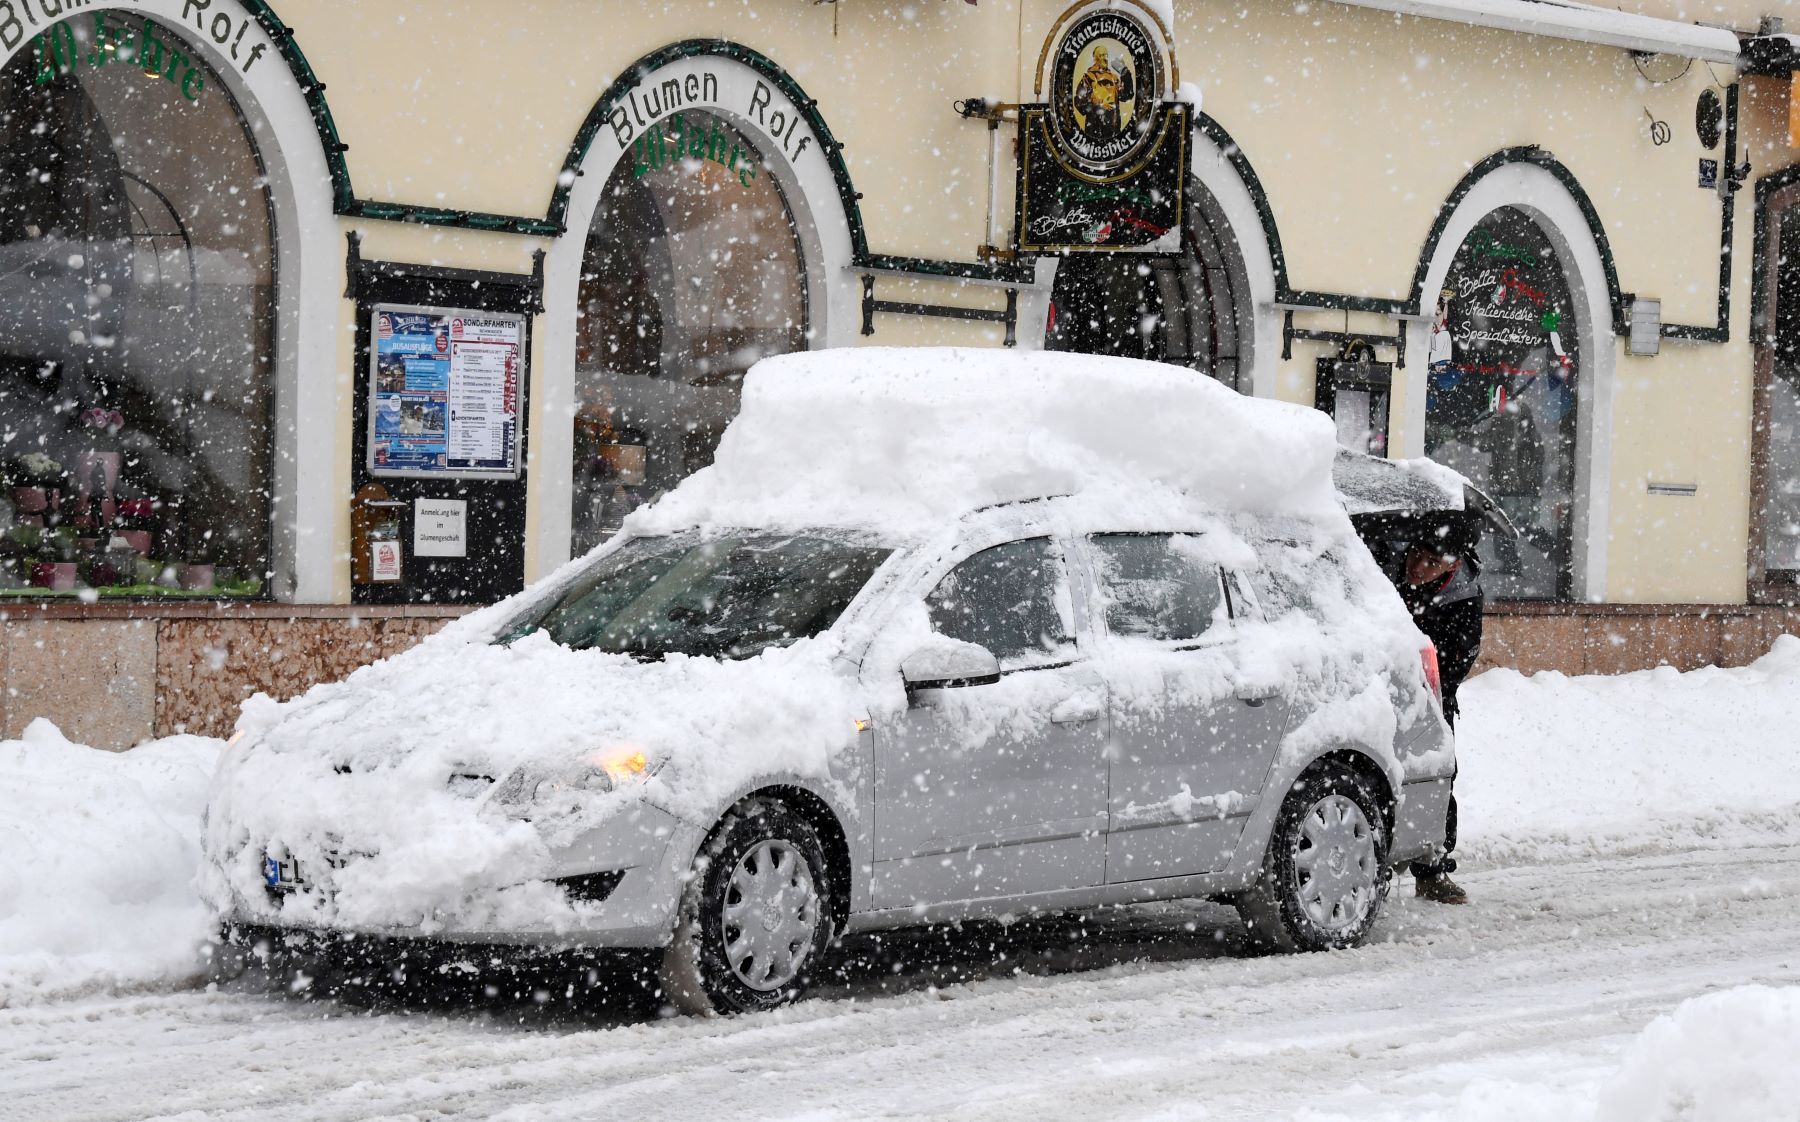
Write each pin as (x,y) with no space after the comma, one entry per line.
(692,272)
(1190,310)
(1501,401)
(136,319)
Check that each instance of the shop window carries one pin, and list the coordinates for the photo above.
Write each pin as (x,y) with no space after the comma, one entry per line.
(136,323)
(1186,309)
(1504,368)
(1778,436)
(692,272)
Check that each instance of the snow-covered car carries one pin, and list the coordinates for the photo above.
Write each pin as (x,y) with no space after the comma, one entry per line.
(940,634)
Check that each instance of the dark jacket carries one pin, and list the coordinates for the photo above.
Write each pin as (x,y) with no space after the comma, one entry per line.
(1447,610)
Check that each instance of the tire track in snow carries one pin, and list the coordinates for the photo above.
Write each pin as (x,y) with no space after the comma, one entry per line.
(1564,959)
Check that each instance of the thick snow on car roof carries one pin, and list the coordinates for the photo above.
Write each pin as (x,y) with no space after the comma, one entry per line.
(901,440)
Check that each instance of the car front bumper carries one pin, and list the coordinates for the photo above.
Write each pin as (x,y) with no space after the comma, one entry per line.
(627,876)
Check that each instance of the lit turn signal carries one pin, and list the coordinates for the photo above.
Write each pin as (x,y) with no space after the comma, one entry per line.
(624,763)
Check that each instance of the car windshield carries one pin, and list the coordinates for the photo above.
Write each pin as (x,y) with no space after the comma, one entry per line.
(718,597)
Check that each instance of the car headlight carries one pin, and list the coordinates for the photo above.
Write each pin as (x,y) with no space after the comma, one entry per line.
(529,792)
(555,787)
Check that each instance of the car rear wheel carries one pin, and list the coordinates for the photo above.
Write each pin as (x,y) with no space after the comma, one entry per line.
(755,916)
(1325,875)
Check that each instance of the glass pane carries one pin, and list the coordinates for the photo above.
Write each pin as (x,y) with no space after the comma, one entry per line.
(1012,599)
(721,598)
(1781,505)
(1500,405)
(1157,586)
(136,326)
(692,272)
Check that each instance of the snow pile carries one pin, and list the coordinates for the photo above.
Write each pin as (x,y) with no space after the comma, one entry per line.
(904,438)
(1554,765)
(1725,1057)
(100,852)
(1722,1057)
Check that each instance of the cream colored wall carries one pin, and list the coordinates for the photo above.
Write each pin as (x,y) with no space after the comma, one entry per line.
(472,104)
(1358,123)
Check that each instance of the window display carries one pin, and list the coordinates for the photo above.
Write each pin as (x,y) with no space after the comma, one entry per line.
(692,272)
(136,323)
(1504,369)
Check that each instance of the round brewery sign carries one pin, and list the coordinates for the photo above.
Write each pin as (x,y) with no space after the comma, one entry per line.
(1106,75)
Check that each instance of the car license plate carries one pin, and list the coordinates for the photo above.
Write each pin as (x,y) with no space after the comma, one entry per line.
(282,873)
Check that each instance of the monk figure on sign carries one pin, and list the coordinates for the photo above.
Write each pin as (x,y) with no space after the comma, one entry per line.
(1100,97)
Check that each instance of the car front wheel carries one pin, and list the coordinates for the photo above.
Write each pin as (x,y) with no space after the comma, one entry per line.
(755,916)
(1325,875)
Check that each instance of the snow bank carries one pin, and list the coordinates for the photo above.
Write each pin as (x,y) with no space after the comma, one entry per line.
(1725,1057)
(100,850)
(1657,759)
(905,438)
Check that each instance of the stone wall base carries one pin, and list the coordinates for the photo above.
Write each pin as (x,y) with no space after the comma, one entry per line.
(113,677)
(1618,638)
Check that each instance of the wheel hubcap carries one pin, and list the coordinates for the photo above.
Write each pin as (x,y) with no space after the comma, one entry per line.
(771,915)
(1335,864)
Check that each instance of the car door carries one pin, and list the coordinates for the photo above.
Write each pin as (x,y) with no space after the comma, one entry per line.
(1191,744)
(996,789)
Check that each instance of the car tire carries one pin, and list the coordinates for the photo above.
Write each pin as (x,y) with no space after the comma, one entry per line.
(1325,874)
(755,915)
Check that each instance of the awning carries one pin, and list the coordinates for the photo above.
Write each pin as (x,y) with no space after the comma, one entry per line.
(1579,23)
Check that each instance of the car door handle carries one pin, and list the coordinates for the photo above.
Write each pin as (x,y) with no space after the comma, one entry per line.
(1076,711)
(1252,698)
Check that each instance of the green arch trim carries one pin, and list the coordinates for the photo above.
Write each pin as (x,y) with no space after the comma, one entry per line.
(1537,157)
(831,147)
(596,119)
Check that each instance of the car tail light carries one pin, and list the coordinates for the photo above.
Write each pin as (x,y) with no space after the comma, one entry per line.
(1434,679)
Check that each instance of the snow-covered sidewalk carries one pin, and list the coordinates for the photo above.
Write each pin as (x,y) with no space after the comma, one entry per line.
(1554,766)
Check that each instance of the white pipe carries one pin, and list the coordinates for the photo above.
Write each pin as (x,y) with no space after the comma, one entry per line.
(1579,23)
(993,200)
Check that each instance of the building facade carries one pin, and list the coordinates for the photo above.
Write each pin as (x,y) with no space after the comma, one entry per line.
(319,325)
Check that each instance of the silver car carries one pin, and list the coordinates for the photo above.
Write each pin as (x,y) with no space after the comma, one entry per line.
(1057,711)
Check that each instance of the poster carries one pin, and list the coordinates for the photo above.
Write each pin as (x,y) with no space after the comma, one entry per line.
(444,392)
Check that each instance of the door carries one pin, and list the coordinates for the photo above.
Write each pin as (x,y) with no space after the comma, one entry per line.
(998,789)
(1775,434)
(1192,744)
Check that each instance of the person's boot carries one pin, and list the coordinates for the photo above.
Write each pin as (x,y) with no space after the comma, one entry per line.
(1439,889)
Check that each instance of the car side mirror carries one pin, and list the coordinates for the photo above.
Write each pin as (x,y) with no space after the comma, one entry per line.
(945,663)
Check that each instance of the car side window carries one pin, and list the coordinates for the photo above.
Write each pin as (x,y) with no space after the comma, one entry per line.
(1012,599)
(1157,586)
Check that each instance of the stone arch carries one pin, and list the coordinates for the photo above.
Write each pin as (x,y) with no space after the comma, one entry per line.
(757,97)
(1529,182)
(284,112)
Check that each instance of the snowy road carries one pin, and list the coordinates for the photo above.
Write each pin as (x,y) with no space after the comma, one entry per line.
(1514,1007)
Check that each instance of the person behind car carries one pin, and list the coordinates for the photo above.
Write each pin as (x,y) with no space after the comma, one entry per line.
(1440,583)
